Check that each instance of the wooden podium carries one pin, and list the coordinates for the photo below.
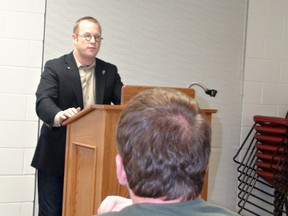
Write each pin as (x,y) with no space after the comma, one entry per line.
(90,171)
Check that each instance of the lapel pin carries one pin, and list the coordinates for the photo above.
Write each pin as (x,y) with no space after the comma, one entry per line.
(103,72)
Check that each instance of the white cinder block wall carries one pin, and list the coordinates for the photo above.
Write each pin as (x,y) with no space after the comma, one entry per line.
(266,70)
(266,62)
(21,40)
(21,36)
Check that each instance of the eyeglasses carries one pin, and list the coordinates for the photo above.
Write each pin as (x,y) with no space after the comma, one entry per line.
(88,37)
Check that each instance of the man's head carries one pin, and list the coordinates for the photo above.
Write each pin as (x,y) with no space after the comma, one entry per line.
(87,38)
(163,140)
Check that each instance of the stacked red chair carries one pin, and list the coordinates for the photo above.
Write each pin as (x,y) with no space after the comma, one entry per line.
(263,168)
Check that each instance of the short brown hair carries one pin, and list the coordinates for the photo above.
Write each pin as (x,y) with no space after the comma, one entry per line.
(164,140)
(88,18)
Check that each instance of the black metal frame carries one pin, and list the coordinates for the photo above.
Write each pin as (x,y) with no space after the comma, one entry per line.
(253,189)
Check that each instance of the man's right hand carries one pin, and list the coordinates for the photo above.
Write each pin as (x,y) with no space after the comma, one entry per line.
(68,113)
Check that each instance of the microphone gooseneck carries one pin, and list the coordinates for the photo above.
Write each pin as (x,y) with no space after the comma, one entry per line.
(211,92)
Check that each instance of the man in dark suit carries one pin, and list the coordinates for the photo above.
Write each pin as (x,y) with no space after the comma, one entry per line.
(69,84)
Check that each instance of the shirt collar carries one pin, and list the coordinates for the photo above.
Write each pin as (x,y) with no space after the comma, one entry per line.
(81,65)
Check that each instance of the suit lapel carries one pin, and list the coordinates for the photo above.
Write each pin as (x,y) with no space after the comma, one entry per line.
(74,78)
(100,75)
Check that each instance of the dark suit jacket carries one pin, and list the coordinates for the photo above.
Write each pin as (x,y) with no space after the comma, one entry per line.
(60,88)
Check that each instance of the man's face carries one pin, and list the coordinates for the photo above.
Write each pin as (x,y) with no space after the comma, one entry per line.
(85,48)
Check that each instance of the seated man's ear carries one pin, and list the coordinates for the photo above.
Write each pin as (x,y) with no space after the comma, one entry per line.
(121,174)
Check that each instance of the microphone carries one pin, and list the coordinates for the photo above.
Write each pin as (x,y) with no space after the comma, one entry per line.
(211,92)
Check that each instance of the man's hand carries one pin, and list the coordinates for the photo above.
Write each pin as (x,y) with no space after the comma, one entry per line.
(113,203)
(65,114)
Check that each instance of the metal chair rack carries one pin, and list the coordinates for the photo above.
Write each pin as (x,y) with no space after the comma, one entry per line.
(263,168)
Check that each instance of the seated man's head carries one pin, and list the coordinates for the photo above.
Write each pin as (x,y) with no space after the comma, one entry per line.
(163,140)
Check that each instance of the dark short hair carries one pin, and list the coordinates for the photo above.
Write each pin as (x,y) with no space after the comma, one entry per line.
(164,140)
(88,18)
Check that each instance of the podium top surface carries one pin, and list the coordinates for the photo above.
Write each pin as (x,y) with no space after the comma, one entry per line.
(128,92)
(90,108)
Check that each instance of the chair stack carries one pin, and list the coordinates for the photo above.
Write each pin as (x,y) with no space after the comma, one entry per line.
(263,167)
